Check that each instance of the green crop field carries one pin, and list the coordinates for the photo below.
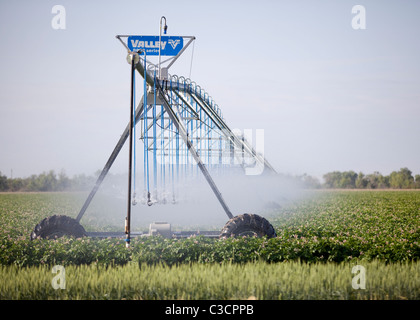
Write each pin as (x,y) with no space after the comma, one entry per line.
(320,239)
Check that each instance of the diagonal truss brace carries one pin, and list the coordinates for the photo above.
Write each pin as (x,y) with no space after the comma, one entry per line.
(111,159)
(183,133)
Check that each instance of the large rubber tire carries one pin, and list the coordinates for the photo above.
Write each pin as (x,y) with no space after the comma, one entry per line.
(248,224)
(58,226)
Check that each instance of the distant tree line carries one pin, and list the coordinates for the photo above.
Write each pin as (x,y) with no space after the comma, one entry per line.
(402,179)
(46,181)
(51,181)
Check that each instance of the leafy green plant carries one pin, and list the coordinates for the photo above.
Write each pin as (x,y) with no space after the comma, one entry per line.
(332,226)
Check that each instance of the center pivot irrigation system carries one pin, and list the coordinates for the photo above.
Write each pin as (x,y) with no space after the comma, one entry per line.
(183,133)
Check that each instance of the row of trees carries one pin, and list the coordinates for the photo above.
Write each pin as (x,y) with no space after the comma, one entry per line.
(46,181)
(402,179)
(50,181)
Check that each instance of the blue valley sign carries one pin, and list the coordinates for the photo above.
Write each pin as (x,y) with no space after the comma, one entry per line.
(170,45)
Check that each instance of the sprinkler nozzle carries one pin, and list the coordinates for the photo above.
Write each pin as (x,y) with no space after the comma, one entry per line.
(149,201)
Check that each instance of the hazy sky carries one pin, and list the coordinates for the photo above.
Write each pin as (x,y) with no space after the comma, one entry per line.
(329,97)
